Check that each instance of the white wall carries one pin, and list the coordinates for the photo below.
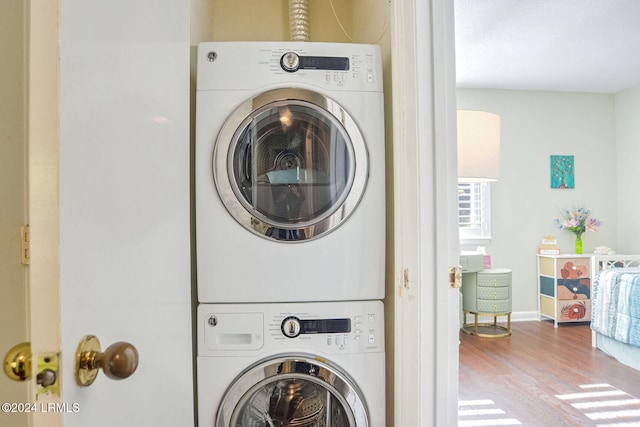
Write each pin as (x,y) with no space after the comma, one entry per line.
(627,108)
(535,125)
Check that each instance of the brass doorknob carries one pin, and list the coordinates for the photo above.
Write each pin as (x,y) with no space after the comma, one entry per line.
(17,362)
(118,361)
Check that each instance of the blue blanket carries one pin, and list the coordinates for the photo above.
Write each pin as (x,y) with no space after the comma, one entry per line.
(616,304)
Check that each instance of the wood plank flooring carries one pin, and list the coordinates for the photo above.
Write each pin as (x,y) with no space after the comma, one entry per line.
(544,376)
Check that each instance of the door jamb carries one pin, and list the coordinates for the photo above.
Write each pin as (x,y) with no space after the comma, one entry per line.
(423,79)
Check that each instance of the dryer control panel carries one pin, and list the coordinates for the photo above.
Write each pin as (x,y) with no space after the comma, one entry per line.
(338,71)
(291,62)
(255,65)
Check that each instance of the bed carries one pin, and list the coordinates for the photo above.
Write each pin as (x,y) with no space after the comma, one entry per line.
(615,318)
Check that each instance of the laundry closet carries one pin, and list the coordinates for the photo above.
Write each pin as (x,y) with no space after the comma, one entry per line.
(289,165)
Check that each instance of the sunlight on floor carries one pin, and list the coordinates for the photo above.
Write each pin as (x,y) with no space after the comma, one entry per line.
(468,410)
(606,397)
(603,404)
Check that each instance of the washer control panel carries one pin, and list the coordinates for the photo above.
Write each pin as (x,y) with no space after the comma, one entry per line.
(332,327)
(335,333)
(292,326)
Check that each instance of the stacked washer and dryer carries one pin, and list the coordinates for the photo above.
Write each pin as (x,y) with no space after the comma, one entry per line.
(290,235)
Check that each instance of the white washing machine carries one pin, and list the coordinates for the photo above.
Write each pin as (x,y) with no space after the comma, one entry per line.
(302,364)
(289,172)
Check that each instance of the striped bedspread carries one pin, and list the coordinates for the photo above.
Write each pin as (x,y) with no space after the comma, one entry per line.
(616,304)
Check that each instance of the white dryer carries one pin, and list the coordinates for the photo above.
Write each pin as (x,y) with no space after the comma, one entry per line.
(289,172)
(302,364)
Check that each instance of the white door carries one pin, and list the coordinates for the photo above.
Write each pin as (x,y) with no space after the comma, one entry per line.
(109,206)
(13,315)
(426,233)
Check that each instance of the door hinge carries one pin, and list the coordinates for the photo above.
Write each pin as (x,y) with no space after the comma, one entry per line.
(455,277)
(25,244)
(405,278)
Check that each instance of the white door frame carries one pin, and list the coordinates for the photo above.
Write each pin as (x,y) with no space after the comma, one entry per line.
(426,240)
(42,205)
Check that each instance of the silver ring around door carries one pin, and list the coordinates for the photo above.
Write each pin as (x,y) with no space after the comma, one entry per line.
(292,391)
(290,165)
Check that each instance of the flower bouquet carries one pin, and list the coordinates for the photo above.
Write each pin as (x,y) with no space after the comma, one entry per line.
(578,221)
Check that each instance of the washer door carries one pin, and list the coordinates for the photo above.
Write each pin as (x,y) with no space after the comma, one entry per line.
(295,392)
(290,165)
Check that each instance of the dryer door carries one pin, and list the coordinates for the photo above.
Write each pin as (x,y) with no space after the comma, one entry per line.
(290,391)
(290,165)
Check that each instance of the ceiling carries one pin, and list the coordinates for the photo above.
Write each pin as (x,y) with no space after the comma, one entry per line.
(556,45)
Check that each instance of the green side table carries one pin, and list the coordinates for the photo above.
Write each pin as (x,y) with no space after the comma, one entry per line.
(487,293)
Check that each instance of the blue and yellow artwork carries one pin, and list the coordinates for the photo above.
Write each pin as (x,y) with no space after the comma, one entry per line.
(562,172)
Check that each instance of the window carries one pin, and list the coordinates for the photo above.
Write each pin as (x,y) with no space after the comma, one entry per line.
(474,211)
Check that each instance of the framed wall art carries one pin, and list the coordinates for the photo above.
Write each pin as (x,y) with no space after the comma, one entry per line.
(562,172)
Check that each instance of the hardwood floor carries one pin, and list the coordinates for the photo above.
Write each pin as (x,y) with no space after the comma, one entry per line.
(544,376)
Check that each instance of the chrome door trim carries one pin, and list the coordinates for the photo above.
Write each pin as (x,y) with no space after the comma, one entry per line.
(260,224)
(270,370)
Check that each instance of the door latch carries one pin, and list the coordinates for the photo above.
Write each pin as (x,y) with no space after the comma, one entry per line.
(18,367)
(455,277)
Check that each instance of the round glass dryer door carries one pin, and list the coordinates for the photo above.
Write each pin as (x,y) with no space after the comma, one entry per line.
(298,392)
(290,165)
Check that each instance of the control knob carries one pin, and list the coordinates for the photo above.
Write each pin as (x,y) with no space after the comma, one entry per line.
(290,327)
(290,62)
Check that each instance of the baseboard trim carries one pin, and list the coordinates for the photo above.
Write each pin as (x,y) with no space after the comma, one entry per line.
(516,316)
(524,316)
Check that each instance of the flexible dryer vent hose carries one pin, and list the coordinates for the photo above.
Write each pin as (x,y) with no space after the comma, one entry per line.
(298,20)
